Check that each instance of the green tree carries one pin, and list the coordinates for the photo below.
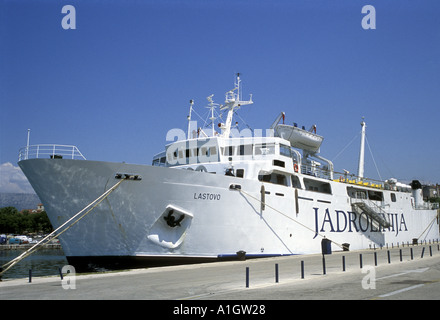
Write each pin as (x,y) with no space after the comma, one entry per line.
(9,220)
(41,222)
(12,221)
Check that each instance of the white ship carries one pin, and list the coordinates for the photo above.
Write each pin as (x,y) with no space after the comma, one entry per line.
(212,196)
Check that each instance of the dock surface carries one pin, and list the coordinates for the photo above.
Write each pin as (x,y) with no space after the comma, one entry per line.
(399,274)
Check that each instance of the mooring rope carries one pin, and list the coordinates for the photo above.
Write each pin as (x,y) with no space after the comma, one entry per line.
(429,225)
(288,217)
(89,208)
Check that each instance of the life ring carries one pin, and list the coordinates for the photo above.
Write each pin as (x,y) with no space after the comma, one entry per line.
(295,167)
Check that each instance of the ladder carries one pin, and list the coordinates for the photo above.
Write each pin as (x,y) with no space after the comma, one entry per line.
(376,213)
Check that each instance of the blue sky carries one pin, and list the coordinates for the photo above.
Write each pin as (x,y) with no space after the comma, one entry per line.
(117,83)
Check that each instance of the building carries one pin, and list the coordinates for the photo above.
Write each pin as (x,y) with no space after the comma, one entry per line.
(40,208)
(431,191)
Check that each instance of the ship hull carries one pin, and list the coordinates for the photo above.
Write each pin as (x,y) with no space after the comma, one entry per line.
(175,216)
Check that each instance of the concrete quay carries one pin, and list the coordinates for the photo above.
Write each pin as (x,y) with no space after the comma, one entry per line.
(409,272)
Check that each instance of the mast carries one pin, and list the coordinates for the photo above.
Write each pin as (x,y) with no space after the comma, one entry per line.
(27,145)
(362,152)
(212,106)
(232,103)
(191,103)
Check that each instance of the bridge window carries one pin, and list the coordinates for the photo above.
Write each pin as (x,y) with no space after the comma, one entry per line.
(159,161)
(245,150)
(264,149)
(285,151)
(228,151)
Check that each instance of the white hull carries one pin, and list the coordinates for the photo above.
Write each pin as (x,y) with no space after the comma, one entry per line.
(218,221)
(219,197)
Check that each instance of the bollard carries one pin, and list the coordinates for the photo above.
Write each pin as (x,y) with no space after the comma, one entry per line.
(30,275)
(247,277)
(343,263)
(375,259)
(326,247)
(323,265)
(302,269)
(389,257)
(423,252)
(400,255)
(430,251)
(360,260)
(412,254)
(276,273)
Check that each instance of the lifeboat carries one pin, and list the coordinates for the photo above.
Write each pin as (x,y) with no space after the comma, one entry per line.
(300,138)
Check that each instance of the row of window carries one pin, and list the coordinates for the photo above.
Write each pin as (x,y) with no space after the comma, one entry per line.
(281,179)
(240,150)
(374,195)
(323,187)
(195,152)
(248,149)
(309,184)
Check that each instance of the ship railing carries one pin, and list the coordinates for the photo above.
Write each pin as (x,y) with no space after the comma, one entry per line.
(426,206)
(315,171)
(52,151)
(355,180)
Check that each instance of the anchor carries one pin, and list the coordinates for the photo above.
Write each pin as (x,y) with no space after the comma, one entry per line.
(171,220)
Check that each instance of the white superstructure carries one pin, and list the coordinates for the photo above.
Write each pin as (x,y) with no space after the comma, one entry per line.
(213,196)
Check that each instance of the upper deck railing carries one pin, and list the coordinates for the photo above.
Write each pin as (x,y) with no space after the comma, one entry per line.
(52,151)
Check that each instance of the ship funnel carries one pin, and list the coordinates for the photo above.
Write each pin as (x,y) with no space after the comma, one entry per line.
(416,187)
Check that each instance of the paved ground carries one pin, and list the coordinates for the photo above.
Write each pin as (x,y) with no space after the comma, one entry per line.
(417,278)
